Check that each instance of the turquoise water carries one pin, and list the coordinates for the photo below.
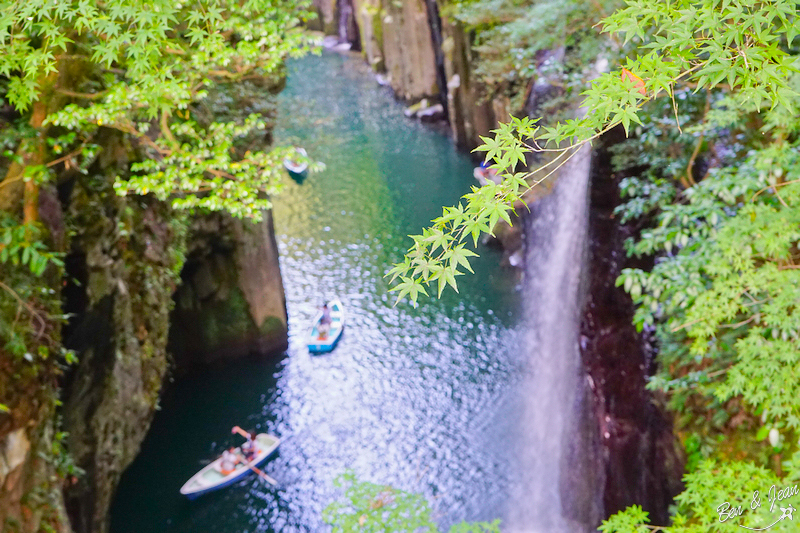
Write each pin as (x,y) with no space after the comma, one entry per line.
(414,397)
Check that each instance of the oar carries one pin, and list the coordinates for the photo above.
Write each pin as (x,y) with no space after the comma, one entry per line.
(263,475)
(240,431)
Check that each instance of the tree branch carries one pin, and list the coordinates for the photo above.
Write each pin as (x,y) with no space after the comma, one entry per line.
(88,96)
(690,166)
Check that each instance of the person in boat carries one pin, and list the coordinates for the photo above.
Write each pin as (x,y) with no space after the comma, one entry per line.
(483,170)
(325,322)
(229,462)
(249,447)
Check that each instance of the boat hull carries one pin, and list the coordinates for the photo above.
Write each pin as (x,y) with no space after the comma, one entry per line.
(299,178)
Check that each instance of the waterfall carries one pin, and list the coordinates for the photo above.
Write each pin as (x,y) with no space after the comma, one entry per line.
(348,24)
(558,490)
(435,23)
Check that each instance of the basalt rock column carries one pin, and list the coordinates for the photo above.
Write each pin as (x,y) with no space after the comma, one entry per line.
(231,299)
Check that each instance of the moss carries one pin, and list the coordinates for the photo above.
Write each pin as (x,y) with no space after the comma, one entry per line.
(227,320)
(129,255)
(377,26)
(30,349)
(272,326)
(330,28)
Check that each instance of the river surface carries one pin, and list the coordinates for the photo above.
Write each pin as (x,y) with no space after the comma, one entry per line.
(425,399)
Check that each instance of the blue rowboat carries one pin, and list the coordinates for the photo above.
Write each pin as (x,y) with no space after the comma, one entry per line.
(211,477)
(319,344)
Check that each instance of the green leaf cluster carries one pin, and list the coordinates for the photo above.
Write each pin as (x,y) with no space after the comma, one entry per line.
(29,315)
(368,507)
(20,244)
(145,66)
(727,282)
(440,253)
(719,498)
(679,44)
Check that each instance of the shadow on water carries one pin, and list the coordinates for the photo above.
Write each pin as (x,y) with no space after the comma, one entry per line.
(414,397)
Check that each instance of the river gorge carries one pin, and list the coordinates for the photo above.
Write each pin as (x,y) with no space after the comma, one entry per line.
(479,400)
(421,398)
(520,398)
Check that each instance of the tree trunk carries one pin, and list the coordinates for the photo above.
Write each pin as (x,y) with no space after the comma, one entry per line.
(15,192)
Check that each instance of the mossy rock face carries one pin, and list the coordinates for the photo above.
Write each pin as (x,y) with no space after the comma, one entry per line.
(231,282)
(377,61)
(272,325)
(124,257)
(330,28)
(122,268)
(326,17)
(222,328)
(231,301)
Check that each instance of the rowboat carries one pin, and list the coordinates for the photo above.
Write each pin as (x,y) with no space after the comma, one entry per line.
(211,477)
(294,167)
(319,344)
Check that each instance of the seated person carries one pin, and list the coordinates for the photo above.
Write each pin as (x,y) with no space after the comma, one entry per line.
(325,322)
(229,462)
(489,174)
(249,448)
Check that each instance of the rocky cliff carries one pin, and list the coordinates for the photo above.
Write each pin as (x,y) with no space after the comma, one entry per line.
(470,113)
(31,474)
(121,265)
(122,268)
(423,55)
(231,301)
(396,38)
(641,458)
(73,430)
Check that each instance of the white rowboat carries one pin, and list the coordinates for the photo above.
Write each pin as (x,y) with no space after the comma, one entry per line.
(296,167)
(211,477)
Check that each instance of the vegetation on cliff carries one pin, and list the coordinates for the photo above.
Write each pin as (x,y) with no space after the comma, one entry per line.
(708,97)
(516,41)
(74,71)
(107,143)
